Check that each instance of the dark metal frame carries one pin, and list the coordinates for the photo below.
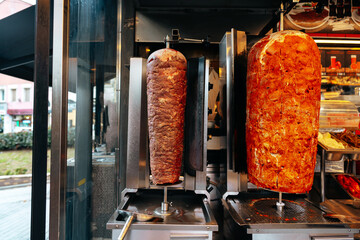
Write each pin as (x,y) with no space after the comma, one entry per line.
(272,23)
(40,135)
(126,39)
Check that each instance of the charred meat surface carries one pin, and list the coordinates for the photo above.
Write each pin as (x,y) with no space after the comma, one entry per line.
(166,96)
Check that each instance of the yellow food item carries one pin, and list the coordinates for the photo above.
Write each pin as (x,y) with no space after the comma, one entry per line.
(328,141)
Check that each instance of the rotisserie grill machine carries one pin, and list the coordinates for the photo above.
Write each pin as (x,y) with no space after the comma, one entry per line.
(180,210)
(255,213)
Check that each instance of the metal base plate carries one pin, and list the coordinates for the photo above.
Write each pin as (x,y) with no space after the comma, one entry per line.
(189,211)
(268,207)
(178,185)
(264,211)
(160,212)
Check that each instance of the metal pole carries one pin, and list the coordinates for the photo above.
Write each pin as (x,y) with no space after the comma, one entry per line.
(165,204)
(126,48)
(59,120)
(167,41)
(282,16)
(322,175)
(40,128)
(119,102)
(280,197)
(280,205)
(165,194)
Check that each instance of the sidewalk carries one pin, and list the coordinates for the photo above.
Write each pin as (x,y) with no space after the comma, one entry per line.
(12,180)
(15,212)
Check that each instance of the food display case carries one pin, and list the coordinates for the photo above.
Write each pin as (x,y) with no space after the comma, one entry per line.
(341,68)
(257,213)
(338,114)
(335,149)
(340,74)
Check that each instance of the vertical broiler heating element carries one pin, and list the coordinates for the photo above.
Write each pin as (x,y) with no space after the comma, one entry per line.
(166,95)
(283,104)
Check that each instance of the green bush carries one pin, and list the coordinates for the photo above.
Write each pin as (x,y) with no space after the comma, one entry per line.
(70,137)
(19,171)
(23,140)
(13,141)
(49,138)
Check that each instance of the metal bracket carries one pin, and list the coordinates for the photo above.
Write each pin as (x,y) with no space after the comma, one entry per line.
(204,192)
(227,194)
(128,190)
(176,38)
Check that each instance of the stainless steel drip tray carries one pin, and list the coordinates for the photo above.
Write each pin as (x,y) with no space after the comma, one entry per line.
(259,214)
(190,212)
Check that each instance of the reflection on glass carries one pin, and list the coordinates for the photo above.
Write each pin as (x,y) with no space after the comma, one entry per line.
(92,119)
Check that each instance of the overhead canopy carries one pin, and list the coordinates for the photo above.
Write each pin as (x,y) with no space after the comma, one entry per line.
(259,4)
(18,30)
(17,44)
(20,111)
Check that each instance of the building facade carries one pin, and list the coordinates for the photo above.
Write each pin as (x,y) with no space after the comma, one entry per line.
(16,95)
(16,104)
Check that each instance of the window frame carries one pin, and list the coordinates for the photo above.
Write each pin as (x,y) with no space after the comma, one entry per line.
(4,95)
(12,95)
(24,94)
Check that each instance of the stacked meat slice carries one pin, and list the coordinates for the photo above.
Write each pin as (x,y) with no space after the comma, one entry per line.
(283,103)
(166,95)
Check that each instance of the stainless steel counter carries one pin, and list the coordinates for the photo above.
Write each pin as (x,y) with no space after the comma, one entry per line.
(259,217)
(191,219)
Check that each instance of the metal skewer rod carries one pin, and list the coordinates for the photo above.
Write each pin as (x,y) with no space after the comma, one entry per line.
(165,194)
(282,16)
(167,41)
(280,205)
(165,209)
(165,204)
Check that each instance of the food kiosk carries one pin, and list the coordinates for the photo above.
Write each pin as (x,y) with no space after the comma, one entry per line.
(213,199)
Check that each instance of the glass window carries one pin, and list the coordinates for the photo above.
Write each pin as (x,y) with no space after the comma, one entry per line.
(26,94)
(2,95)
(92,119)
(13,95)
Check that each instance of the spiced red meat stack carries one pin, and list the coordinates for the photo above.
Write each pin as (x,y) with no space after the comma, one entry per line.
(283,104)
(166,96)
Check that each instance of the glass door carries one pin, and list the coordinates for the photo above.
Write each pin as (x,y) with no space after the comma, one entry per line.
(83,195)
